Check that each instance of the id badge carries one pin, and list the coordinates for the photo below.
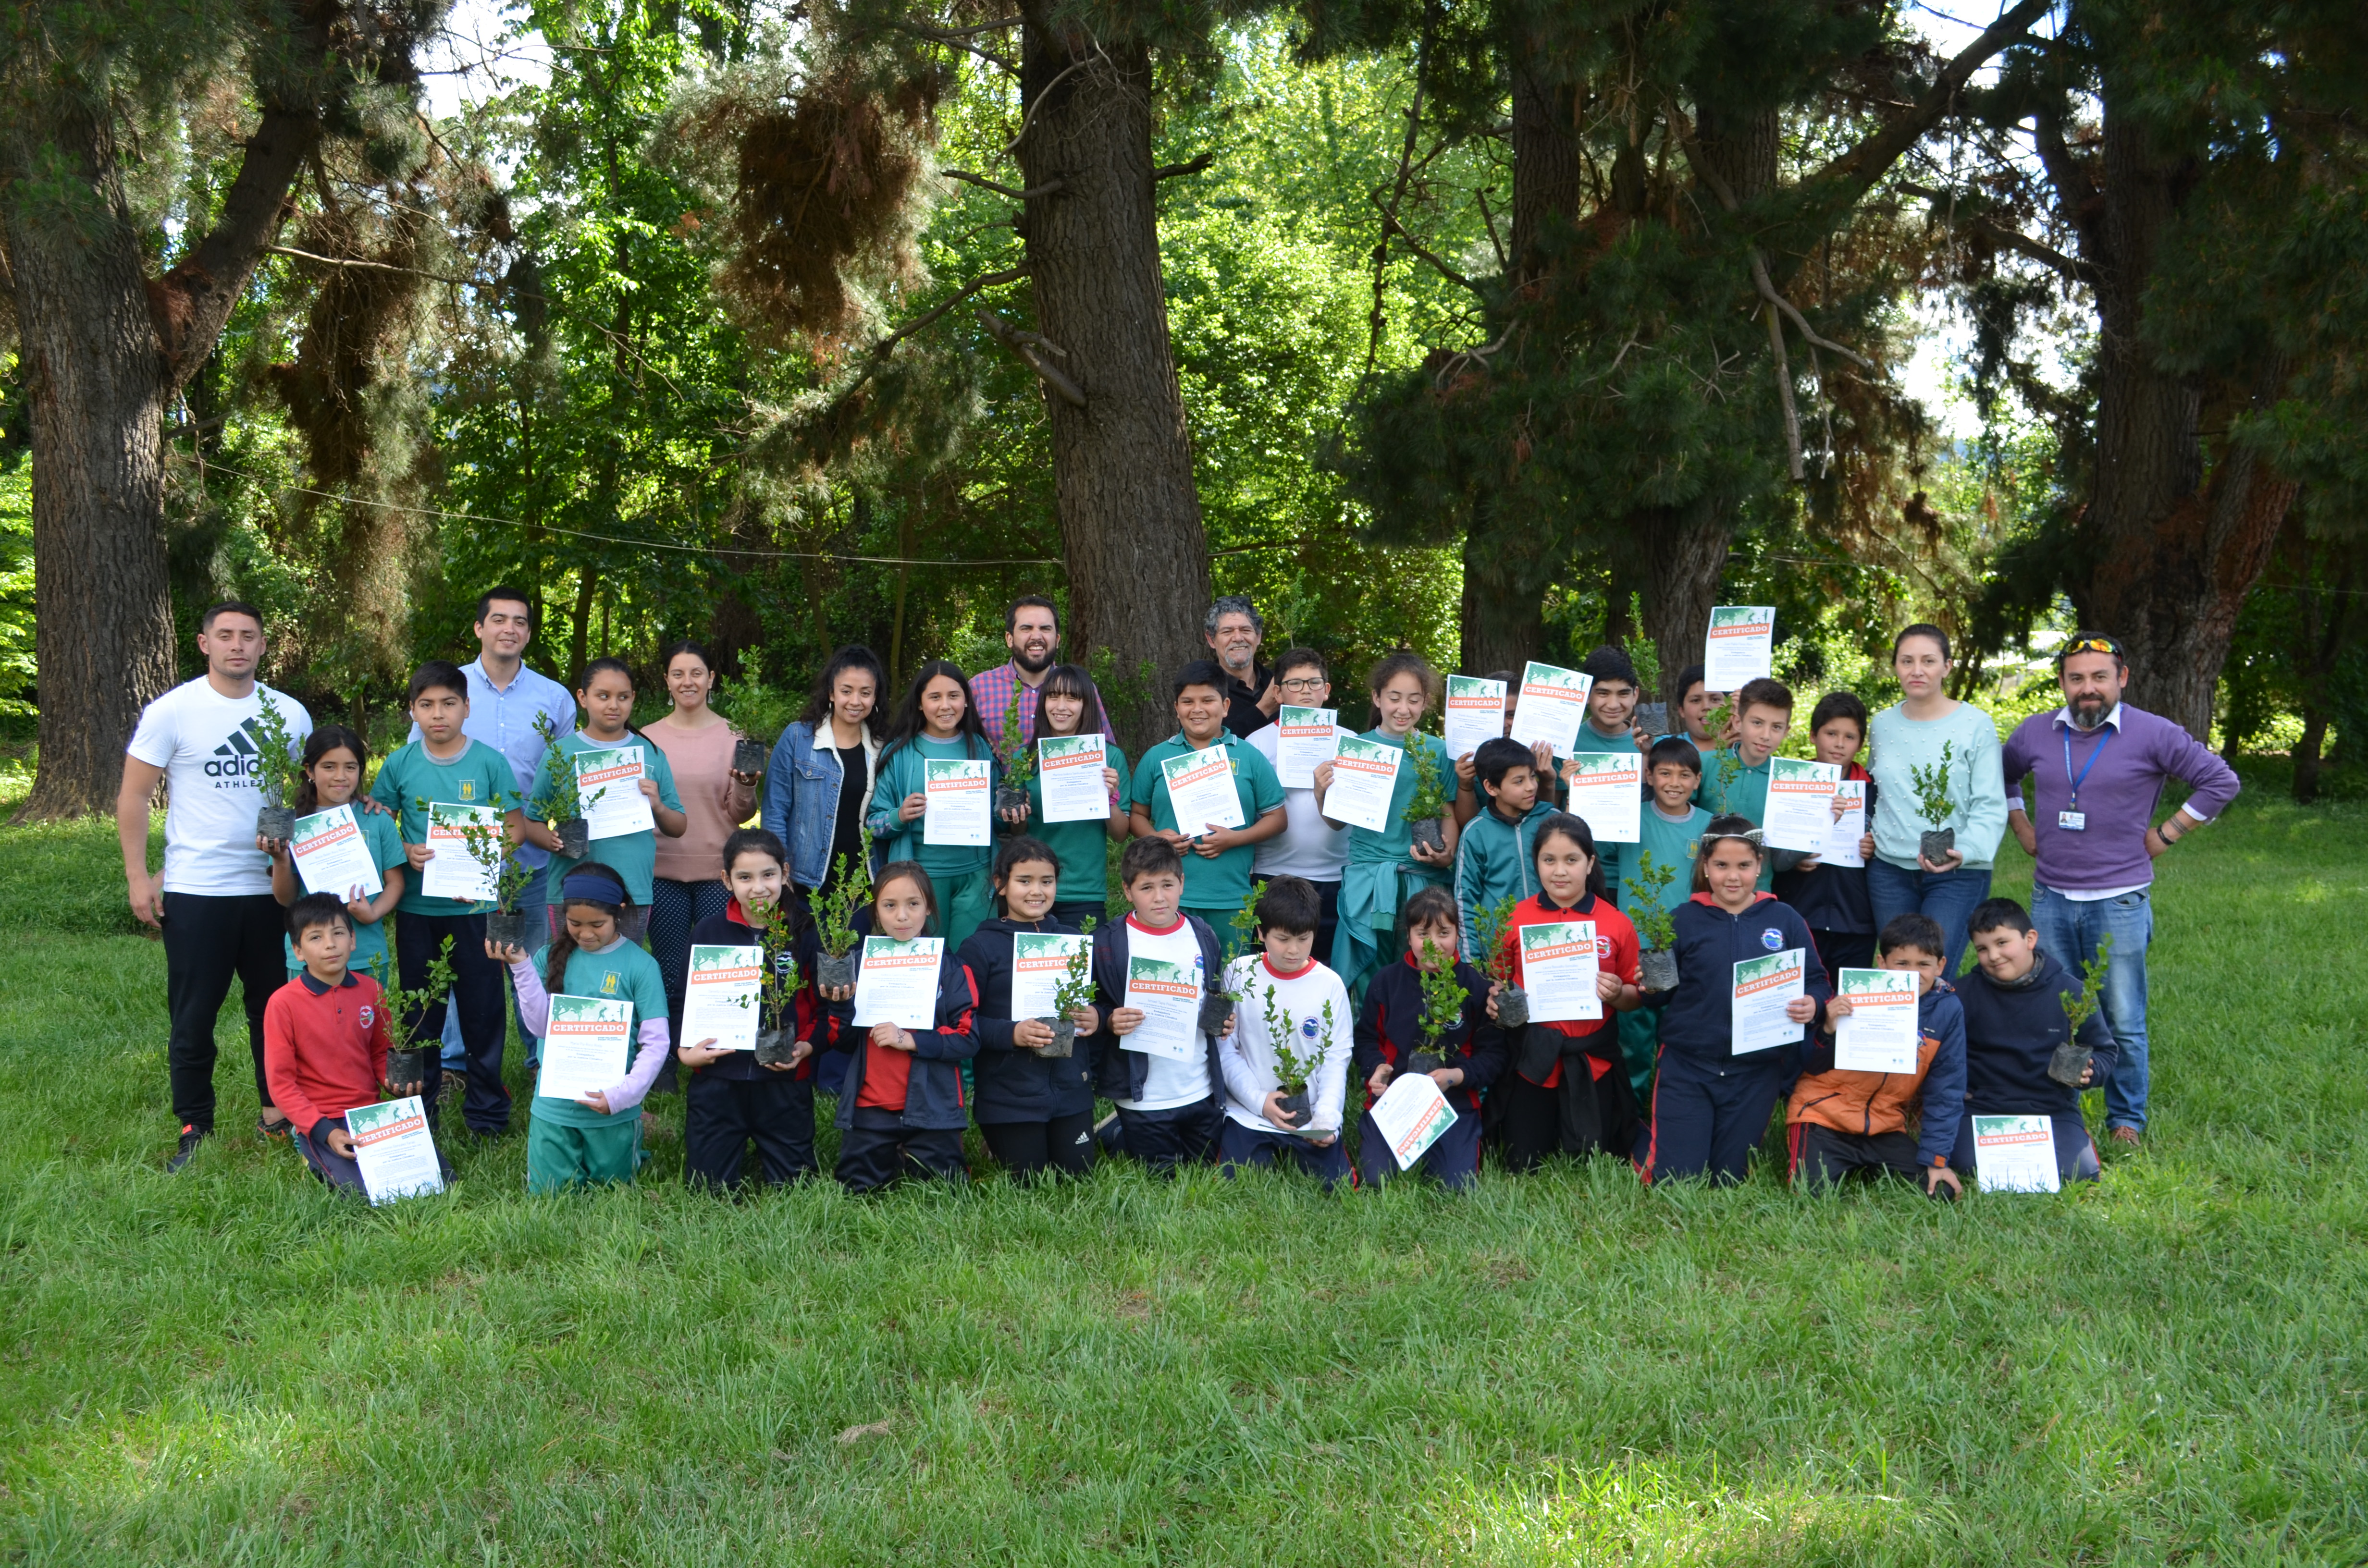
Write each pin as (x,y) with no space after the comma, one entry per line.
(2072,822)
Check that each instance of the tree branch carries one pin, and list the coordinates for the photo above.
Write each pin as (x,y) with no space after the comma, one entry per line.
(1189,167)
(2047,256)
(1784,393)
(960,39)
(1391,225)
(1047,188)
(928,318)
(1025,345)
(378,266)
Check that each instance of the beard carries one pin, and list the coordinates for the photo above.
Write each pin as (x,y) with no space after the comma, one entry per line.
(2090,711)
(1034,664)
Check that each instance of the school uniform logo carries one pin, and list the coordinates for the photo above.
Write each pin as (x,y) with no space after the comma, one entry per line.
(1307,1028)
(468,788)
(366,1014)
(609,983)
(237,759)
(1772,940)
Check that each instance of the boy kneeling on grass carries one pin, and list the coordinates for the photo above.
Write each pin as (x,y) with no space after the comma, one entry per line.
(1168,1110)
(1842,1120)
(1288,1000)
(2014,1022)
(324,1041)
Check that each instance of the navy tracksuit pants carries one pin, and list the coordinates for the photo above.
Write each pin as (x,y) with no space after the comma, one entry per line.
(1708,1116)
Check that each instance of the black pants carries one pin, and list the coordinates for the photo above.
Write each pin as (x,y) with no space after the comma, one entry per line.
(1822,1158)
(1707,1119)
(676,909)
(1844,949)
(872,1157)
(208,940)
(477,992)
(1028,1149)
(722,1115)
(1582,1115)
(1327,915)
(1164,1139)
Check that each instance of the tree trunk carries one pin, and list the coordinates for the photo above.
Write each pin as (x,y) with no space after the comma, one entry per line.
(96,380)
(2174,555)
(1685,552)
(1503,626)
(1137,555)
(2307,751)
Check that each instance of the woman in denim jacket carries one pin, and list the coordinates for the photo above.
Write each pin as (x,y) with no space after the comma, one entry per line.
(811,802)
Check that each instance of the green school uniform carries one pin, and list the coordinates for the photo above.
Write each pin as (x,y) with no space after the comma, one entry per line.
(479,776)
(1743,795)
(1673,844)
(371,950)
(1382,873)
(569,1143)
(1213,888)
(1614,855)
(1080,847)
(632,856)
(960,872)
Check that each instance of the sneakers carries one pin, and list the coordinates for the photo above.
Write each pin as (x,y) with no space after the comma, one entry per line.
(2127,1137)
(190,1138)
(273,1132)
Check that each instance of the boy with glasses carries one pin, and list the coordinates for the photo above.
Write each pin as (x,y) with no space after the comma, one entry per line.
(1310,847)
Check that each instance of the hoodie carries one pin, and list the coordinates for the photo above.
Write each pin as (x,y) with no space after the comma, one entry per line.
(931,1089)
(1698,1018)
(2011,1029)
(1390,1029)
(1865,1104)
(1015,1083)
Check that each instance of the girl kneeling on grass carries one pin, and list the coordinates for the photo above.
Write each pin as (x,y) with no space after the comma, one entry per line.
(594,1138)
(1712,1094)
(1035,1112)
(902,1105)
(1561,1094)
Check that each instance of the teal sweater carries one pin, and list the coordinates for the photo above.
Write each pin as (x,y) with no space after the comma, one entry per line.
(906,773)
(1670,844)
(1493,862)
(1976,783)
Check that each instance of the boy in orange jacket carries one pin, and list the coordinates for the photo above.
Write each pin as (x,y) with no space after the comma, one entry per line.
(1840,1121)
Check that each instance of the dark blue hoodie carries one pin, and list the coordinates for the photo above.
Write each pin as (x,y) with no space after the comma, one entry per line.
(933,1088)
(1389,1028)
(2010,1032)
(1697,1020)
(1118,1073)
(1015,1084)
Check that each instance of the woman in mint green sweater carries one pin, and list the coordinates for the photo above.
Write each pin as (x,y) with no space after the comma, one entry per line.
(936,722)
(1925,729)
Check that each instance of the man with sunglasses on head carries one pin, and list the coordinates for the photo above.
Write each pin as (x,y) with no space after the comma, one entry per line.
(2098,768)
(1310,846)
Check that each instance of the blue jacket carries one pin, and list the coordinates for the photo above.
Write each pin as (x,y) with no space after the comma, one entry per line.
(1390,1029)
(1697,1019)
(801,806)
(1017,1085)
(1867,1105)
(933,1091)
(1119,1074)
(2010,1032)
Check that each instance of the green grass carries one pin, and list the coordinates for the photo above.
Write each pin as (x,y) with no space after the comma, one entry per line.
(236,1366)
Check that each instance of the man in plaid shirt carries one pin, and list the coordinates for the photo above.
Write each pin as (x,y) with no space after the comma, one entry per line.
(1032,630)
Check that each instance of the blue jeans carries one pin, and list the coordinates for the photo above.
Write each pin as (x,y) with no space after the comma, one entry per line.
(1948,897)
(533,899)
(2069,929)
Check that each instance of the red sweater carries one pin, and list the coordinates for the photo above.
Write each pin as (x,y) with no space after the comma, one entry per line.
(1615,952)
(323,1048)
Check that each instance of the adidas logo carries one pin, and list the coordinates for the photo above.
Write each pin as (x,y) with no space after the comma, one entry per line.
(237,757)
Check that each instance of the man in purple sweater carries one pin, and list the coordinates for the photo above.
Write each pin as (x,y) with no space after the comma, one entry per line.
(2098,768)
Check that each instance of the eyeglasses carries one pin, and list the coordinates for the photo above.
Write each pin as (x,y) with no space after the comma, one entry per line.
(1301,685)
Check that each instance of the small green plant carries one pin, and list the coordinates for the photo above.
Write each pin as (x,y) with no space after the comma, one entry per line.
(1443,996)
(1429,802)
(1930,787)
(1490,926)
(1019,757)
(405,1007)
(488,845)
(560,800)
(2078,1010)
(778,989)
(278,762)
(1294,1070)
(834,910)
(1076,987)
(1243,926)
(1653,927)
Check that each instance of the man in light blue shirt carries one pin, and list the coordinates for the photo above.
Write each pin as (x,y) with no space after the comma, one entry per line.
(505,699)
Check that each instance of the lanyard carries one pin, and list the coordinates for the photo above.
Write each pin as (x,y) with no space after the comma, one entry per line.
(2075,782)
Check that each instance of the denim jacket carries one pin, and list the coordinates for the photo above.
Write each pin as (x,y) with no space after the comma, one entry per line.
(802,789)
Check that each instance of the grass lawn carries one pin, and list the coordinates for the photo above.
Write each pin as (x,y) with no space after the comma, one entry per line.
(234,1366)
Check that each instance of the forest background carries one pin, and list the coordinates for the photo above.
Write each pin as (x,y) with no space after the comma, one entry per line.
(1491,328)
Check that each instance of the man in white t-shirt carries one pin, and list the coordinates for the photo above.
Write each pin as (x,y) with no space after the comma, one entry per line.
(1310,846)
(213,899)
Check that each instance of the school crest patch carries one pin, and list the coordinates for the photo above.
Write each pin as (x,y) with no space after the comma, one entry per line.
(368,1014)
(608,981)
(1772,940)
(468,788)
(1307,1028)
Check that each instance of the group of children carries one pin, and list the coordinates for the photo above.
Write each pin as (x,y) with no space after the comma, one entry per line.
(1428,970)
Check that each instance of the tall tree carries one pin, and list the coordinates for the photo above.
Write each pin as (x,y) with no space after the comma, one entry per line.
(106,346)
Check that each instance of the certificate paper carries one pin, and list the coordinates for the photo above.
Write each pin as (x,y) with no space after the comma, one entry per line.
(1800,803)
(609,784)
(332,855)
(1069,773)
(1412,1115)
(1169,995)
(1606,792)
(719,997)
(1559,963)
(1200,791)
(1843,833)
(1741,645)
(1764,988)
(898,982)
(395,1150)
(1552,703)
(1365,777)
(2016,1154)
(1040,962)
(1306,738)
(455,873)
(1879,1033)
(1475,713)
(957,809)
(585,1046)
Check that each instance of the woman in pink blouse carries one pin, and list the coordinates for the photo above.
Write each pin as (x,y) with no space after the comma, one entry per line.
(688,887)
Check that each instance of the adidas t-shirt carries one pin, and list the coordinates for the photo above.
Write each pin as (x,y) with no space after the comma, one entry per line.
(1169,1083)
(205,743)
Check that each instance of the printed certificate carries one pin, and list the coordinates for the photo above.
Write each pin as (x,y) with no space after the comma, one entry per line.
(609,784)
(1069,774)
(1741,645)
(1606,792)
(1764,987)
(1879,1033)
(1559,965)
(1552,703)
(332,855)
(719,997)
(898,982)
(957,807)
(1365,777)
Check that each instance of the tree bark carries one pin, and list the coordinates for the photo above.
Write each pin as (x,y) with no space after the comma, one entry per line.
(2174,555)
(1685,552)
(1131,529)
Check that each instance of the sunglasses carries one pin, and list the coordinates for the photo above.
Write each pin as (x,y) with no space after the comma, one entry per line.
(2090,646)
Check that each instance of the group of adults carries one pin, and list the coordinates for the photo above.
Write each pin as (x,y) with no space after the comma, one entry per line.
(2098,768)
